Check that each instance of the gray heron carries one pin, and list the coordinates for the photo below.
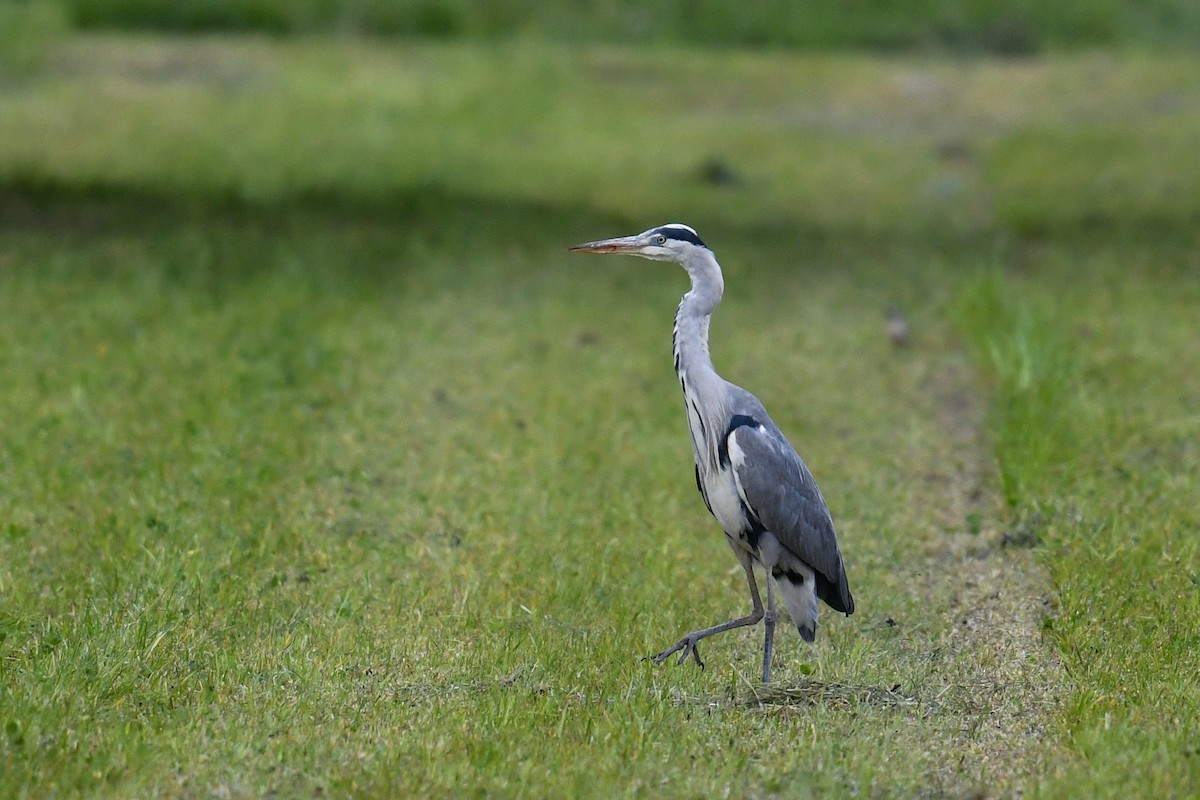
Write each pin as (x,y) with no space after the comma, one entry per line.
(751,478)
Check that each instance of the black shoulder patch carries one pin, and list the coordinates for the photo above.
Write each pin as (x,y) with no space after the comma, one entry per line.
(680,232)
(741,420)
(737,421)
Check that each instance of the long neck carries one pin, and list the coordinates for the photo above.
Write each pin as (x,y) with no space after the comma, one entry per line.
(695,311)
(703,389)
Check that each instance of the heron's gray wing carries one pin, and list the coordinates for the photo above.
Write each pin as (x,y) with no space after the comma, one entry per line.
(777,487)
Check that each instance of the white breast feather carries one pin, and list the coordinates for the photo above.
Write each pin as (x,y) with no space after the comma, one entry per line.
(737,459)
(724,501)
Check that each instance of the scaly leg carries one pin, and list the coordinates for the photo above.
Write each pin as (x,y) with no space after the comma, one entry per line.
(769,624)
(688,643)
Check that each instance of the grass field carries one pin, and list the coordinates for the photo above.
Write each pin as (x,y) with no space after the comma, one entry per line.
(326,471)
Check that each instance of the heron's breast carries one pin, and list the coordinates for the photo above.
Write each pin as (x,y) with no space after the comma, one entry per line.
(725,503)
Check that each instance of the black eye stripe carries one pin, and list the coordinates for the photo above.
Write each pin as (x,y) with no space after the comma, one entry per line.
(679,234)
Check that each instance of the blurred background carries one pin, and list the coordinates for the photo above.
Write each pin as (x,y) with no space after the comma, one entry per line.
(743,114)
(560,102)
(1012,27)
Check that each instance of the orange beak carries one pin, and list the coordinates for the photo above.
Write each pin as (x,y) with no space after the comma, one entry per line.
(621,244)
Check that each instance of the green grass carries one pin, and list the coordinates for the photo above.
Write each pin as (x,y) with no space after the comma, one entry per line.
(349,513)
(327,471)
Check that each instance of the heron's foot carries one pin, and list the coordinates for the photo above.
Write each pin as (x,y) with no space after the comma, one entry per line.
(688,645)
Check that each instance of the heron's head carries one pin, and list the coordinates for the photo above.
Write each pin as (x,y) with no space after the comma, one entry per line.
(672,242)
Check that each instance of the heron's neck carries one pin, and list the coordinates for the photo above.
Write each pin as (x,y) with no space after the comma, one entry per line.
(692,318)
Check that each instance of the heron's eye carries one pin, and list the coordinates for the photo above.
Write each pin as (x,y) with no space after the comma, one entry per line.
(660,239)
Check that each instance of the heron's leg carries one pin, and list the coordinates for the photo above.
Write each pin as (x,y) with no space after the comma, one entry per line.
(688,643)
(769,625)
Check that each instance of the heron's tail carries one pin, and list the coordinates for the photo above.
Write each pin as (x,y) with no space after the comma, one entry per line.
(798,590)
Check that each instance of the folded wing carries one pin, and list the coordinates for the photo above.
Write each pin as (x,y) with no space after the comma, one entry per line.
(779,490)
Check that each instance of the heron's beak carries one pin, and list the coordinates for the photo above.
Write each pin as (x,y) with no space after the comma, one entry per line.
(622,244)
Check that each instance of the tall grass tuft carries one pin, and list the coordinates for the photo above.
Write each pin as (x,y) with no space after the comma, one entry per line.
(1034,372)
